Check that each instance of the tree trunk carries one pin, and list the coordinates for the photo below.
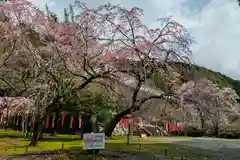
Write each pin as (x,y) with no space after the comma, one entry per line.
(114,121)
(23,124)
(35,131)
(96,125)
(86,125)
(26,126)
(89,126)
(36,128)
(41,130)
(216,130)
(202,122)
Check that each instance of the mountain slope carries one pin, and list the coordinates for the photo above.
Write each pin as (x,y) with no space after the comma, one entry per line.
(193,71)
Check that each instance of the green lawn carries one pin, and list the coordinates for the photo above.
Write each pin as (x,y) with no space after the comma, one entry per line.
(11,142)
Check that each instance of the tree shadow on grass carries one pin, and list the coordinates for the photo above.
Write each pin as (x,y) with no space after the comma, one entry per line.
(45,138)
(147,151)
(106,154)
(59,139)
(77,153)
(2,136)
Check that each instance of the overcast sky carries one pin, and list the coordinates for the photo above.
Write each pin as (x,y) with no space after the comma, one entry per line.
(215,25)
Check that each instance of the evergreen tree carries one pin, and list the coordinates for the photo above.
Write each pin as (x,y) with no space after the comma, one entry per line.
(51,15)
(3,1)
(66,16)
(71,12)
(47,10)
(54,17)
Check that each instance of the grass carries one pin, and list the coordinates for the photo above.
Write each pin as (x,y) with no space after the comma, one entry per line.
(12,143)
(161,145)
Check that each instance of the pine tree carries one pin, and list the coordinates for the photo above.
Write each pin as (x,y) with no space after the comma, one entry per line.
(54,17)
(66,16)
(3,1)
(51,15)
(47,10)
(71,12)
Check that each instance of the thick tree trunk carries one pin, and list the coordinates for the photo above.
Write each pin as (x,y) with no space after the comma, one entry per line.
(109,127)
(28,127)
(90,125)
(36,128)
(41,130)
(35,132)
(86,125)
(96,125)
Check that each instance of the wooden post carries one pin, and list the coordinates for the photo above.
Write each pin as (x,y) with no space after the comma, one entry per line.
(140,145)
(166,152)
(128,135)
(94,155)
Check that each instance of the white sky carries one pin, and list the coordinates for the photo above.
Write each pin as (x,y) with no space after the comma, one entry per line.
(215,25)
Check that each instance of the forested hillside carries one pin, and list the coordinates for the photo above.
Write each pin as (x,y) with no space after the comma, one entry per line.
(189,72)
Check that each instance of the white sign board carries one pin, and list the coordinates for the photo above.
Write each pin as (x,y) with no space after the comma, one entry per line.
(93,141)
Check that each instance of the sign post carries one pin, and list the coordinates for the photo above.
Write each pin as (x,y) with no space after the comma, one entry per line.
(93,142)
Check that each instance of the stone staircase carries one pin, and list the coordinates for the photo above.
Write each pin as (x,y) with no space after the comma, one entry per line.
(154,130)
(149,130)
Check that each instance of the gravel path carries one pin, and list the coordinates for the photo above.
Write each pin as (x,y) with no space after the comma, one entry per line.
(225,149)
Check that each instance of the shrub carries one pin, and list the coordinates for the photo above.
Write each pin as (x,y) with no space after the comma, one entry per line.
(195,131)
(177,133)
(209,133)
(230,134)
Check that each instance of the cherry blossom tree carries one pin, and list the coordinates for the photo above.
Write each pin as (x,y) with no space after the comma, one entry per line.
(108,42)
(138,51)
(34,64)
(28,66)
(209,102)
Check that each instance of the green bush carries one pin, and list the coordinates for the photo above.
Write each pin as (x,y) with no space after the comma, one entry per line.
(230,134)
(177,133)
(195,131)
(209,133)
